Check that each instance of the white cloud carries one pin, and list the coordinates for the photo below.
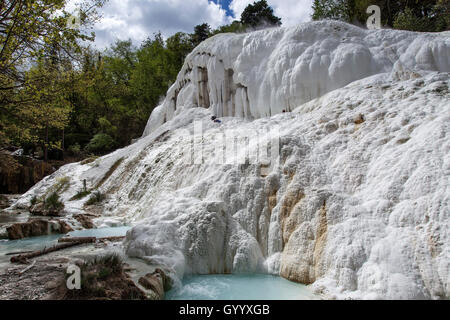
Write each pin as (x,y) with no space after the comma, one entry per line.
(138,19)
(291,12)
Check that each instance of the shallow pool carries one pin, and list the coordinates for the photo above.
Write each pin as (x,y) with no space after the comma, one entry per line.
(239,287)
(100,233)
(39,243)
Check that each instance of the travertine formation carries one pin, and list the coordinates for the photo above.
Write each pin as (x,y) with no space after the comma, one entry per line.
(356,204)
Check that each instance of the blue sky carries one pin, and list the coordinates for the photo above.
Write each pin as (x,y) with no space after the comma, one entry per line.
(139,19)
(225,4)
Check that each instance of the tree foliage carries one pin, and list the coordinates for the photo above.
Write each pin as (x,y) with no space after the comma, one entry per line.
(56,94)
(37,57)
(30,29)
(259,14)
(414,15)
(201,33)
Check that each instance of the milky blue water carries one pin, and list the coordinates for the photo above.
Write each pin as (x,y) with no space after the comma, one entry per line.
(239,287)
(39,243)
(100,233)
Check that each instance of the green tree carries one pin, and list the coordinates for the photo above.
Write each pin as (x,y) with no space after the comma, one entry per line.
(407,20)
(442,15)
(28,28)
(234,27)
(179,45)
(101,143)
(414,15)
(44,110)
(201,33)
(344,10)
(36,33)
(259,13)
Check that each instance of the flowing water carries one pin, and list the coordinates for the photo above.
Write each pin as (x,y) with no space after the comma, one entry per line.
(239,287)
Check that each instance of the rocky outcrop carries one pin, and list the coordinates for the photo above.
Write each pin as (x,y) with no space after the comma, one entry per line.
(158,282)
(64,227)
(36,228)
(103,278)
(40,210)
(85,221)
(260,74)
(302,255)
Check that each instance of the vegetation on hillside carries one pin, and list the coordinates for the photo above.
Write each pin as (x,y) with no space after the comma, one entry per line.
(413,15)
(60,97)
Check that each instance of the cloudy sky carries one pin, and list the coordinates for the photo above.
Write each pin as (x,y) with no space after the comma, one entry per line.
(137,19)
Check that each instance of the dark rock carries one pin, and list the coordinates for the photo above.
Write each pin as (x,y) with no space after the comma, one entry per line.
(32,228)
(39,210)
(153,281)
(36,228)
(168,282)
(85,221)
(359,118)
(157,281)
(102,280)
(64,227)
(331,127)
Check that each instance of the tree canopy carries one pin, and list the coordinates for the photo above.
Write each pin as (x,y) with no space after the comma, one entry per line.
(59,96)
(37,56)
(413,15)
(259,14)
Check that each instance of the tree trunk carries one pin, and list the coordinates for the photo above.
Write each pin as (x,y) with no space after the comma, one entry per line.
(62,144)
(46,145)
(390,21)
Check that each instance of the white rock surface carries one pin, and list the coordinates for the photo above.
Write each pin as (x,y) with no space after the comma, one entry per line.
(357,203)
(262,73)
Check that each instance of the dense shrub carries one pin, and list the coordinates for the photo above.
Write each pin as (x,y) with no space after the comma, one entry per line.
(407,20)
(53,203)
(95,198)
(101,143)
(80,195)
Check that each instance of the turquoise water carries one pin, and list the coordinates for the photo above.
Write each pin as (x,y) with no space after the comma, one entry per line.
(28,244)
(100,233)
(239,287)
(39,243)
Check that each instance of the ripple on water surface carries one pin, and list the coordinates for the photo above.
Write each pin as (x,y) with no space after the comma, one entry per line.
(239,287)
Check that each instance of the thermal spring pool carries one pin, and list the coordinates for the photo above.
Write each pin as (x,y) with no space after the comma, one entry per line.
(38,243)
(239,287)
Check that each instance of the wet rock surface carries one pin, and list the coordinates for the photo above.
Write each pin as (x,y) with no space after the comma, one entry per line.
(85,221)
(36,228)
(158,282)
